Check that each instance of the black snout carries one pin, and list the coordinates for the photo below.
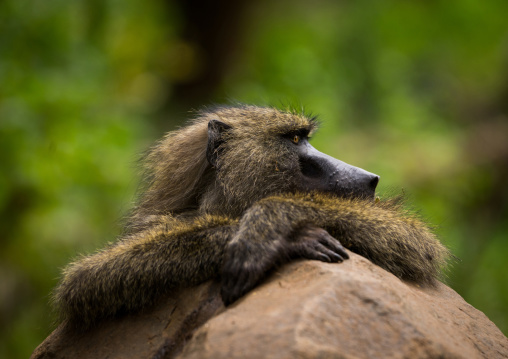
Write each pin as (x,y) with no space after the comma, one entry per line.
(324,173)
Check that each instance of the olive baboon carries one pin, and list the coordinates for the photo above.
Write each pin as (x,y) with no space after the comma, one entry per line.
(232,195)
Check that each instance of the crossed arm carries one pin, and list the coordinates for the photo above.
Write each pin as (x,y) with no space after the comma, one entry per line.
(133,272)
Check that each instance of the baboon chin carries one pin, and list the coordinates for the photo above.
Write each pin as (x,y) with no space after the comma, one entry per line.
(235,193)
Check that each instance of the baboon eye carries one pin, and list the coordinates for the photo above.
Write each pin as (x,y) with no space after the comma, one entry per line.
(295,139)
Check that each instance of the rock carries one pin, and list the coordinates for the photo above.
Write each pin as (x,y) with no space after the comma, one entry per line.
(157,333)
(306,309)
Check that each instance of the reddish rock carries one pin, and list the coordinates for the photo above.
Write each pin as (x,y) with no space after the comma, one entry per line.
(307,309)
(159,333)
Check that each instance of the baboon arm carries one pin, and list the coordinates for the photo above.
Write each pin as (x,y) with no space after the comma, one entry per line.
(381,232)
(133,272)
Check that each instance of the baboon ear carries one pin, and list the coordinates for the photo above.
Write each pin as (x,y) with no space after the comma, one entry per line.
(216,130)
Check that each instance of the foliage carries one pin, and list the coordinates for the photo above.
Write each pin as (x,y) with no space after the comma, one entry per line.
(72,124)
(413,91)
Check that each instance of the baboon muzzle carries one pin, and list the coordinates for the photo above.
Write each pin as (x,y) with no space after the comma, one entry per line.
(327,174)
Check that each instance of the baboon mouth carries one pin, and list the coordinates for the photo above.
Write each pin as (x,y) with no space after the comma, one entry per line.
(363,186)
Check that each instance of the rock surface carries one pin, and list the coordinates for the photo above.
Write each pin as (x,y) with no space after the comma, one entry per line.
(306,309)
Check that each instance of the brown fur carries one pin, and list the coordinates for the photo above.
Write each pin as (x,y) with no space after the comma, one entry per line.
(178,174)
(236,219)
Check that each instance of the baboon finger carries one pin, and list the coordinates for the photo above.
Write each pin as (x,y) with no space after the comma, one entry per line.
(317,251)
(334,257)
(334,244)
(311,234)
(316,256)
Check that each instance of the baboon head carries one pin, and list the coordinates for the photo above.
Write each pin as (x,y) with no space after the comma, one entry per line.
(230,157)
(256,152)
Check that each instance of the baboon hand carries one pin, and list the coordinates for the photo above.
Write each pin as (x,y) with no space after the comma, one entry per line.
(245,264)
(316,243)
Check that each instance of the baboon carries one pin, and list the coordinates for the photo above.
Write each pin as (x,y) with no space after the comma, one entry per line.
(235,193)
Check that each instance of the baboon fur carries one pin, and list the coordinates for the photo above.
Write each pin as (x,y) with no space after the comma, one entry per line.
(235,217)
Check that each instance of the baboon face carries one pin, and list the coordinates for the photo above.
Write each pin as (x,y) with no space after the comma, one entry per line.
(256,160)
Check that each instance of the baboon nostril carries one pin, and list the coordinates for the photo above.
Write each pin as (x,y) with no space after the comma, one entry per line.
(374,181)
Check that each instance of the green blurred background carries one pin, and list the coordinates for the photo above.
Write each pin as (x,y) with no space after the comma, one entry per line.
(415,91)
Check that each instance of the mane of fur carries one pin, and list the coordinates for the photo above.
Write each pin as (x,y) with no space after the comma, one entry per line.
(178,178)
